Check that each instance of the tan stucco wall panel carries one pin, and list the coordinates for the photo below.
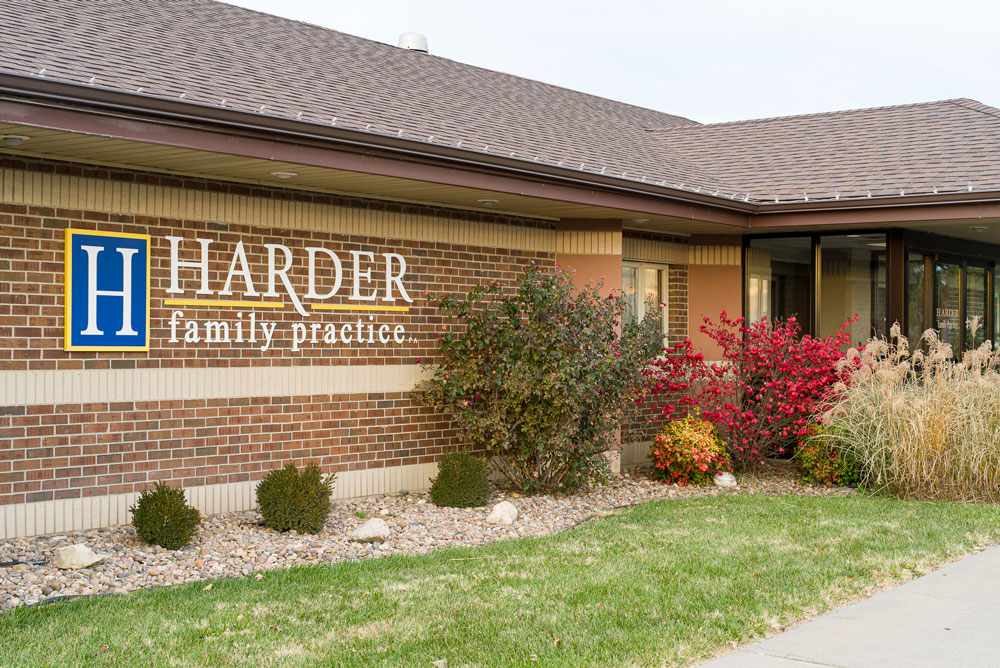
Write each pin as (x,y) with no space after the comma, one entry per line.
(711,290)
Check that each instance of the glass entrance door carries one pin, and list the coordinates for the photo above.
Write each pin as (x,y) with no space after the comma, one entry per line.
(976,303)
(948,302)
(956,303)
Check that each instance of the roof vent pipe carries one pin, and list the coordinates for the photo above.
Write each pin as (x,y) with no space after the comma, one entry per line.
(413,41)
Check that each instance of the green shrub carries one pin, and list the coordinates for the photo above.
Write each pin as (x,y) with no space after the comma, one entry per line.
(823,463)
(542,377)
(462,481)
(688,452)
(291,499)
(161,516)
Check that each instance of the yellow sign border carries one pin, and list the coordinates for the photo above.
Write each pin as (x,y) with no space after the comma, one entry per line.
(68,297)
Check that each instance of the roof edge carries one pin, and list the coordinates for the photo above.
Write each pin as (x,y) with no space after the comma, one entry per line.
(966,102)
(112,101)
(116,101)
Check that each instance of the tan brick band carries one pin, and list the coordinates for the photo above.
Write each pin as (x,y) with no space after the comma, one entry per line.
(27,388)
(156,197)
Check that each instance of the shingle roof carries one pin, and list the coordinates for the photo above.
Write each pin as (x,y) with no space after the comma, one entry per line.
(946,146)
(219,54)
(209,51)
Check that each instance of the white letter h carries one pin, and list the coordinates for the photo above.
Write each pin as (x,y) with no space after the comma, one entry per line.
(125,293)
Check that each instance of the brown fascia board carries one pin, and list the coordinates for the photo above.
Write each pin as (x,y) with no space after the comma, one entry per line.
(47,103)
(897,210)
(41,102)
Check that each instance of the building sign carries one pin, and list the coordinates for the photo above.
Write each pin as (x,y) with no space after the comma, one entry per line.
(107,291)
(108,294)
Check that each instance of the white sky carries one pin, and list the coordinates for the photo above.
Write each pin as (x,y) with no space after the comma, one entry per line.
(709,60)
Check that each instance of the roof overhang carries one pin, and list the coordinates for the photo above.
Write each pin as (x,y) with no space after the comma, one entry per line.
(100,125)
(112,115)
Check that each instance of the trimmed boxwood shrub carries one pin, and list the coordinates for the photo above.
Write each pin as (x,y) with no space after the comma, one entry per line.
(462,481)
(161,516)
(291,499)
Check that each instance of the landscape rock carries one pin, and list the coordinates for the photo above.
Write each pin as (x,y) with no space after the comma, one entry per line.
(373,531)
(76,556)
(236,544)
(503,514)
(725,480)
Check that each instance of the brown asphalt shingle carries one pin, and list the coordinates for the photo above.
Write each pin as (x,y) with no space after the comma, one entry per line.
(919,148)
(209,51)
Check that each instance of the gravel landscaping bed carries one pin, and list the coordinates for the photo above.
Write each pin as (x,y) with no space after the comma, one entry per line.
(235,544)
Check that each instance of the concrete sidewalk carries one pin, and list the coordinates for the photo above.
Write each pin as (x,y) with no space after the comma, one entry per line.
(948,618)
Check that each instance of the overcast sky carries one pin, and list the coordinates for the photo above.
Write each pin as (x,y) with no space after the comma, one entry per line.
(709,60)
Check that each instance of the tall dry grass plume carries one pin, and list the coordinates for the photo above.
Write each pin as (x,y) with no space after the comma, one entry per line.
(921,424)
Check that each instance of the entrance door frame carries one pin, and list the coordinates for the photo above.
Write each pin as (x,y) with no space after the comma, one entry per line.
(964,252)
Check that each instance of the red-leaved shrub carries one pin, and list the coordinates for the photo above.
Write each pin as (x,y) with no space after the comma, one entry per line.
(688,452)
(761,397)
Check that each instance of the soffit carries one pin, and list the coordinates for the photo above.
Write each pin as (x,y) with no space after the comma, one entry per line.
(113,152)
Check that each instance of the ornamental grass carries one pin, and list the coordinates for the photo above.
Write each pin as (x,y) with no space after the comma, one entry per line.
(920,424)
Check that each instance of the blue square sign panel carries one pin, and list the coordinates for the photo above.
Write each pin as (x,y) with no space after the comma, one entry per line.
(107,291)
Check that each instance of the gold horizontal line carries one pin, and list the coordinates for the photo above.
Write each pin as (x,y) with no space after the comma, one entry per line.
(357,307)
(222,302)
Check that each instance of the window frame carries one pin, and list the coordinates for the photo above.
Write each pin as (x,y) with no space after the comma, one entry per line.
(640,287)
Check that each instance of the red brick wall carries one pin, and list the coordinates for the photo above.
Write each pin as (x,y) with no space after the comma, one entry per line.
(68,451)
(677,302)
(31,291)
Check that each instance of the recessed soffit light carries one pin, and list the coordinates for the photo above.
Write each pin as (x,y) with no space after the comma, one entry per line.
(284,175)
(639,221)
(978,228)
(488,202)
(14,140)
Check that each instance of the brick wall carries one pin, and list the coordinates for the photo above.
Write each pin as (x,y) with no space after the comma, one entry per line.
(31,291)
(79,450)
(677,303)
(56,451)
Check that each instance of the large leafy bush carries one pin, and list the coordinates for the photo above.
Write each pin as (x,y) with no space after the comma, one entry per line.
(764,393)
(920,424)
(291,499)
(541,377)
(688,452)
(161,516)
(463,481)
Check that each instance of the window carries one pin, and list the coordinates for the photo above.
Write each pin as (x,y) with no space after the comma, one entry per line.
(779,279)
(949,293)
(644,286)
(821,280)
(852,283)
(758,296)
(919,300)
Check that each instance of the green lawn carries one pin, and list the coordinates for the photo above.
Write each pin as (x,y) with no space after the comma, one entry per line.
(664,583)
